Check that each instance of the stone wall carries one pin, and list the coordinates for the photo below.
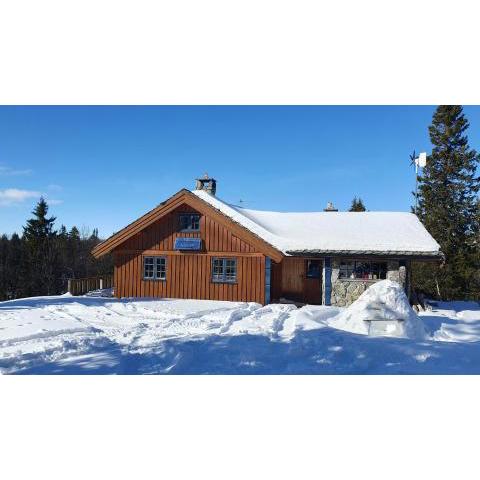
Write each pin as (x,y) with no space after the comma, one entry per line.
(345,292)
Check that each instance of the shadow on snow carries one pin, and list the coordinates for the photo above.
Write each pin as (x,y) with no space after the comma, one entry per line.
(324,351)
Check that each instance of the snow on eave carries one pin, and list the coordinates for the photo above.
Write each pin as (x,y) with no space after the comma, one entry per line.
(232,214)
(384,253)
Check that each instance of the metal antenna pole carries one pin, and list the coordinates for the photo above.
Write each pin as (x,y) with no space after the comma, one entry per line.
(416,187)
(414,162)
(419,162)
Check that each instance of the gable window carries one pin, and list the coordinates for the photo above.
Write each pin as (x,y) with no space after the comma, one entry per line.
(154,268)
(224,270)
(360,270)
(190,222)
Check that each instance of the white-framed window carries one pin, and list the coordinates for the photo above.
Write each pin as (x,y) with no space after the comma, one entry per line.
(190,222)
(224,270)
(154,268)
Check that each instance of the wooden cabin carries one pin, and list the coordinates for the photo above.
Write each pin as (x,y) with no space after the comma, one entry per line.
(196,246)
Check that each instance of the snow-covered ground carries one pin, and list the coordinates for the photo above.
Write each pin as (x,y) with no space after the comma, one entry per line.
(74,335)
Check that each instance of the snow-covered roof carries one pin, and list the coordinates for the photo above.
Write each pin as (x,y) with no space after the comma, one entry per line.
(333,232)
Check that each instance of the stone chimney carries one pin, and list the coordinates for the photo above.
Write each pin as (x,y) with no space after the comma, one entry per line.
(206,183)
(330,208)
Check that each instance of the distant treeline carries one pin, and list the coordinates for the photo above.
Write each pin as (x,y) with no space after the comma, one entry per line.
(42,259)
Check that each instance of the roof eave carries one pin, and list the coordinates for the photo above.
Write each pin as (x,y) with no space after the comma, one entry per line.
(411,255)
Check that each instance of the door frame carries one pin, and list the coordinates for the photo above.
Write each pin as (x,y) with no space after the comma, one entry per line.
(316,284)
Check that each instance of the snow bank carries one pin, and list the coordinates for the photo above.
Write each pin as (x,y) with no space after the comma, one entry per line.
(72,335)
(384,300)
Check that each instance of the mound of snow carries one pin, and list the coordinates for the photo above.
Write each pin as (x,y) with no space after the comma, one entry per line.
(385,301)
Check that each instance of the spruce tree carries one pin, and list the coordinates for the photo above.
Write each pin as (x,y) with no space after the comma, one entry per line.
(42,260)
(4,248)
(475,284)
(74,256)
(63,274)
(40,241)
(448,206)
(357,205)
(17,267)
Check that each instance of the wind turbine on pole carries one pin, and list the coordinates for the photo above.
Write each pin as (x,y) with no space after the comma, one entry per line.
(419,162)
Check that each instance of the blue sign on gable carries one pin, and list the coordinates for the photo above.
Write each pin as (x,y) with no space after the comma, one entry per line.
(188,244)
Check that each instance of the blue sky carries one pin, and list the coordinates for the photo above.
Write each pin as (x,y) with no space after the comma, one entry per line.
(105,166)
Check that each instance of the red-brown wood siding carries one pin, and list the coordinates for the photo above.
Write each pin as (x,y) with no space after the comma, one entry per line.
(289,281)
(189,276)
(189,273)
(162,234)
(292,278)
(276,281)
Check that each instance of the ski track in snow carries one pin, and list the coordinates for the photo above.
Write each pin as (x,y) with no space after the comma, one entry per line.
(75,335)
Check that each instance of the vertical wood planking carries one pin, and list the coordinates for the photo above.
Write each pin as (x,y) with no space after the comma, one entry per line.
(189,275)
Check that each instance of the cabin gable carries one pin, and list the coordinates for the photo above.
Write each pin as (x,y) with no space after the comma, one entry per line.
(184,197)
(189,274)
(161,235)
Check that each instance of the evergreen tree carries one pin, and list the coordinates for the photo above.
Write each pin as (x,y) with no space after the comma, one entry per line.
(17,268)
(61,245)
(448,207)
(475,294)
(4,246)
(74,253)
(40,241)
(42,260)
(357,205)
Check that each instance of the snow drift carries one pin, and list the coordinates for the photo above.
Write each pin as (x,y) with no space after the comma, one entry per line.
(98,335)
(383,301)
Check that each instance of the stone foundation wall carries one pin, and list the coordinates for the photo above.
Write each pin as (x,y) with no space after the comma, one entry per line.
(345,292)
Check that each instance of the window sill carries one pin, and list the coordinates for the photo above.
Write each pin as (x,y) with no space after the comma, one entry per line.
(360,279)
(154,279)
(224,282)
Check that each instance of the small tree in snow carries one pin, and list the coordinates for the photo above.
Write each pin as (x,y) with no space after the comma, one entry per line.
(357,205)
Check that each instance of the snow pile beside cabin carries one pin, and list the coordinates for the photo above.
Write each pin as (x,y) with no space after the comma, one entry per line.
(383,301)
(332,231)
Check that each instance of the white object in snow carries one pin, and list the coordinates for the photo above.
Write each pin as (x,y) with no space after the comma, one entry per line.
(331,232)
(382,310)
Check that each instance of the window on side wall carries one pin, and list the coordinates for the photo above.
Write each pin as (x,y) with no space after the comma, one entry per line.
(362,270)
(224,270)
(154,268)
(190,222)
(313,268)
